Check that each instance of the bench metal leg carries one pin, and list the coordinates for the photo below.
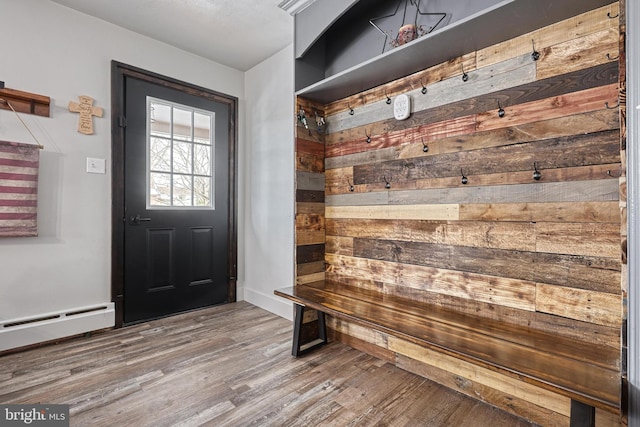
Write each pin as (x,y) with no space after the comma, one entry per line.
(322,327)
(582,415)
(299,349)
(297,325)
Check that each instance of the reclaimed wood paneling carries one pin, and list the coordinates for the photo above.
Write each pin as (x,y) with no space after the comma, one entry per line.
(425,212)
(363,158)
(542,212)
(308,254)
(563,152)
(310,182)
(579,239)
(580,173)
(310,224)
(311,268)
(310,278)
(484,376)
(310,208)
(310,221)
(313,148)
(309,162)
(597,334)
(542,192)
(514,71)
(497,290)
(432,75)
(309,196)
(499,235)
(580,304)
(590,50)
(359,199)
(306,237)
(569,29)
(340,245)
(583,272)
(425,134)
(595,121)
(339,180)
(544,253)
(561,105)
(478,390)
(537,90)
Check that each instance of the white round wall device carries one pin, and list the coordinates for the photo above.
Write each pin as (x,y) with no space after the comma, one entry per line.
(402,107)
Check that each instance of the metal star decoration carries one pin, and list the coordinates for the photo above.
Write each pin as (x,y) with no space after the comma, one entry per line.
(420,30)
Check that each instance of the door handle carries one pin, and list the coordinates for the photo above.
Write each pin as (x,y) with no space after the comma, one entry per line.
(137,220)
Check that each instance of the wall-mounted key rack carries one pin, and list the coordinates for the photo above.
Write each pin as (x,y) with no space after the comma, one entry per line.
(24,102)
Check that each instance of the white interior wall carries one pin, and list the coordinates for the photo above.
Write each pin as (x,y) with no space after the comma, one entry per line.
(268,183)
(54,51)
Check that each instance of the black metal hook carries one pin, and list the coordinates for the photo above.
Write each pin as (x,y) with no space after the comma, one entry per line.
(536,173)
(464,180)
(388,101)
(368,136)
(612,17)
(351,112)
(424,88)
(612,59)
(501,111)
(465,76)
(425,148)
(351,187)
(302,117)
(387,183)
(320,122)
(606,105)
(535,55)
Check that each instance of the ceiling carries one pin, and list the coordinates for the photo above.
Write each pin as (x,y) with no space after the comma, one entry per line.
(236,33)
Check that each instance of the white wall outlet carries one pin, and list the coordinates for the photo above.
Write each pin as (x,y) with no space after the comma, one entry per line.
(96,165)
(402,107)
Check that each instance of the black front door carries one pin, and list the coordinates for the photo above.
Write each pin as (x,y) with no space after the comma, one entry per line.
(176,200)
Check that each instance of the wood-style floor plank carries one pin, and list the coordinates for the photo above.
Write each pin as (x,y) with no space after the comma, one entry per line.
(228,366)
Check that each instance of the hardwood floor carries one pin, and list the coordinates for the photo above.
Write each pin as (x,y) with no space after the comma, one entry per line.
(229,366)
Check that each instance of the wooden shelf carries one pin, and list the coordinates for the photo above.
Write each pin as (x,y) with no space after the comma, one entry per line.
(25,102)
(504,21)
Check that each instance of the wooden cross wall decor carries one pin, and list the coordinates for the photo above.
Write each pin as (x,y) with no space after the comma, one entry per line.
(87,111)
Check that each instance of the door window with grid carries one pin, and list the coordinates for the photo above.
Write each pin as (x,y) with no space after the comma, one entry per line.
(180,156)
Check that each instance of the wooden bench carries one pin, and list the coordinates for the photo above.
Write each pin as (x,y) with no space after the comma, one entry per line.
(586,373)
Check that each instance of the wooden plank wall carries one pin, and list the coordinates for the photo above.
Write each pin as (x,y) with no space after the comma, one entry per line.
(545,253)
(310,196)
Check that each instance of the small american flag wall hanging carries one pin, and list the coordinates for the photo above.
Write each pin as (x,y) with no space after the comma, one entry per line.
(18,189)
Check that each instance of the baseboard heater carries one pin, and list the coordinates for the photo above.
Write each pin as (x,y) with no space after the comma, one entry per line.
(16,333)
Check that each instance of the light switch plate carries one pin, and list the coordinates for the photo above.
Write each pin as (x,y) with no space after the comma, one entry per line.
(402,107)
(96,165)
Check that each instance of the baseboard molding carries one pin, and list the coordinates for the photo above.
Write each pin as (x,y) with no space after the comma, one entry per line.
(27,331)
(239,292)
(272,303)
